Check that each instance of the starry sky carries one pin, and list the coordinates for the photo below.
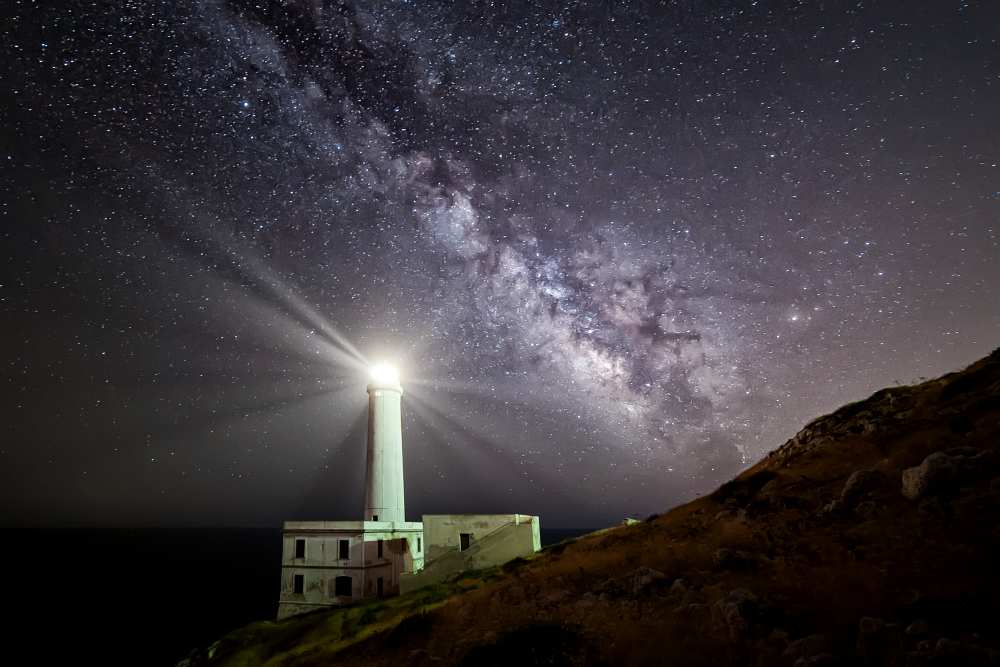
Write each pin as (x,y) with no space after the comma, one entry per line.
(619,250)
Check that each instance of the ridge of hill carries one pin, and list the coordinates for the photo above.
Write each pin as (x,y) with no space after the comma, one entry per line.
(872,537)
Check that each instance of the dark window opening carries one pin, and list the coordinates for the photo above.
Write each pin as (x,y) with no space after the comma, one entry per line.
(418,545)
(380,548)
(374,517)
(465,539)
(298,583)
(345,549)
(342,586)
(300,548)
(379,587)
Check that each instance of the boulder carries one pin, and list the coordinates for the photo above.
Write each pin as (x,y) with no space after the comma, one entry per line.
(951,652)
(643,577)
(858,485)
(945,471)
(735,612)
(933,473)
(806,647)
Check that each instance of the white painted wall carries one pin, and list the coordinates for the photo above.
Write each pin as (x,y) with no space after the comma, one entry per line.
(501,538)
(443,531)
(322,563)
(384,495)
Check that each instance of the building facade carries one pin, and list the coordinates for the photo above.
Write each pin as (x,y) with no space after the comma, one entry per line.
(333,563)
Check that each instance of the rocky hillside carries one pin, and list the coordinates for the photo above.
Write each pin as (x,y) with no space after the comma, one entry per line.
(870,538)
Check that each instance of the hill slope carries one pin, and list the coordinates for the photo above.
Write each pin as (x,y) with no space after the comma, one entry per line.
(871,537)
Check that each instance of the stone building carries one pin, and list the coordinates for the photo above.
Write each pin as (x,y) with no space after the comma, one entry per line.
(460,542)
(332,563)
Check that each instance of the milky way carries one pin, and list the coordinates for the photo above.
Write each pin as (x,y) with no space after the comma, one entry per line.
(620,250)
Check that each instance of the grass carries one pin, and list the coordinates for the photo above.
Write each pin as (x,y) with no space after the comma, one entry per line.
(315,636)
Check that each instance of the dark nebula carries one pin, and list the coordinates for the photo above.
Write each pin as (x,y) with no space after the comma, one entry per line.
(619,250)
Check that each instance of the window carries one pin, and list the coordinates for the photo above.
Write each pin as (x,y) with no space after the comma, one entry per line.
(298,583)
(300,548)
(465,540)
(380,548)
(374,517)
(379,587)
(418,545)
(342,587)
(345,550)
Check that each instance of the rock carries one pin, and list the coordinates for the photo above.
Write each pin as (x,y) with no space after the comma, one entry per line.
(818,660)
(934,472)
(917,629)
(832,508)
(735,612)
(741,596)
(734,559)
(643,577)
(633,583)
(951,652)
(858,485)
(946,471)
(807,646)
(739,514)
(679,587)
(966,452)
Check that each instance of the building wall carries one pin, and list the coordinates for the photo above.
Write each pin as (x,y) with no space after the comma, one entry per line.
(501,538)
(443,531)
(321,564)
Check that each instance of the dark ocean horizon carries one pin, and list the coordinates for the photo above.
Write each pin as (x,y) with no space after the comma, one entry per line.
(140,596)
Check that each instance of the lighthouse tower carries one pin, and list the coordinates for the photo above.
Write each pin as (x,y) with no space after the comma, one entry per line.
(384,499)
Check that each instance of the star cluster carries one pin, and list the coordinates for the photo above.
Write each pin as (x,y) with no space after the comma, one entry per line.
(620,250)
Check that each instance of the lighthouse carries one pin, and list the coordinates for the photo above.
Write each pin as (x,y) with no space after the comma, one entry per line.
(384,499)
(334,563)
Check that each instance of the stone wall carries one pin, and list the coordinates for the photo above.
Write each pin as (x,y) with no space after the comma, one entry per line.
(496,539)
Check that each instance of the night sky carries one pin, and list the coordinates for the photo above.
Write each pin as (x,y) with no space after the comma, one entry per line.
(619,251)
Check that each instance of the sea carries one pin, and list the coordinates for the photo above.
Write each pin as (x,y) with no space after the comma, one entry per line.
(138,596)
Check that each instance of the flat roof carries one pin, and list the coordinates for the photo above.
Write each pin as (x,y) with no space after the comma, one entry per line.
(512,515)
(352,526)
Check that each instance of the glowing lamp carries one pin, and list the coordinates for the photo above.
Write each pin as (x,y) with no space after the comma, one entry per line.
(384,374)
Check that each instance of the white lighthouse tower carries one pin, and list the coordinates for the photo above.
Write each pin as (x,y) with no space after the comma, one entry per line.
(384,499)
